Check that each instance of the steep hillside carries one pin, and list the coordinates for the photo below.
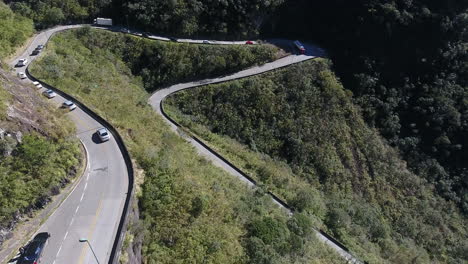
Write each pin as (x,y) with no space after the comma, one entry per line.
(14,30)
(406,63)
(191,211)
(38,153)
(326,161)
(161,63)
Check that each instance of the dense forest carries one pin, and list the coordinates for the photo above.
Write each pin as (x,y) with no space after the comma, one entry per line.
(190,210)
(226,19)
(340,169)
(406,64)
(14,30)
(47,13)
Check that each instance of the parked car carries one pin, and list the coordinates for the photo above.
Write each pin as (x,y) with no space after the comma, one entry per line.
(22,62)
(69,105)
(31,253)
(37,85)
(21,75)
(40,47)
(206,42)
(103,134)
(49,94)
(173,39)
(36,52)
(249,42)
(145,34)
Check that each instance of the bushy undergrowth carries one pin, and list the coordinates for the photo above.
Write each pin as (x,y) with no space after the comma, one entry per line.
(191,211)
(162,63)
(14,30)
(33,165)
(326,161)
(33,172)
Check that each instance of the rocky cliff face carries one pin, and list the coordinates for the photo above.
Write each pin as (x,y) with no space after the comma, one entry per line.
(23,108)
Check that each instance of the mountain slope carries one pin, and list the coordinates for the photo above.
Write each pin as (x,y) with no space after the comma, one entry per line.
(190,210)
(38,153)
(337,168)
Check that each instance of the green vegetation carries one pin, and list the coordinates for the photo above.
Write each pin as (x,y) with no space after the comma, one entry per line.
(406,64)
(33,172)
(35,159)
(232,19)
(14,30)
(162,63)
(33,164)
(306,141)
(191,211)
(47,13)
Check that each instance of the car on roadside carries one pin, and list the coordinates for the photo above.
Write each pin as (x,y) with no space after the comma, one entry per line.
(206,42)
(40,47)
(21,75)
(36,52)
(145,34)
(69,105)
(32,252)
(173,39)
(49,94)
(38,85)
(103,134)
(249,42)
(22,62)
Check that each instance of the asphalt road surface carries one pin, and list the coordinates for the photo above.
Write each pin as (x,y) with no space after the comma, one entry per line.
(93,209)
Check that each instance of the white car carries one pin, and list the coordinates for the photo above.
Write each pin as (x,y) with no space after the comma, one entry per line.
(38,85)
(21,75)
(49,94)
(69,105)
(103,134)
(206,42)
(22,62)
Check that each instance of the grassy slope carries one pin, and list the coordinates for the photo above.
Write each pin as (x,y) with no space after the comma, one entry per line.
(14,30)
(339,169)
(162,63)
(191,210)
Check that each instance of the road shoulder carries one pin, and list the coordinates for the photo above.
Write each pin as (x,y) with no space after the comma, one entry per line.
(29,225)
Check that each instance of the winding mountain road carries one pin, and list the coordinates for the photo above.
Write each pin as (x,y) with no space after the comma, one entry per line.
(94,207)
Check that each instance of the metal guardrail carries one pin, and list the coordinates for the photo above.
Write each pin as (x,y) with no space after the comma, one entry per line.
(114,256)
(248,177)
(115,253)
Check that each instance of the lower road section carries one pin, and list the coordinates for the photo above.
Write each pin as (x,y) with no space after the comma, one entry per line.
(94,208)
